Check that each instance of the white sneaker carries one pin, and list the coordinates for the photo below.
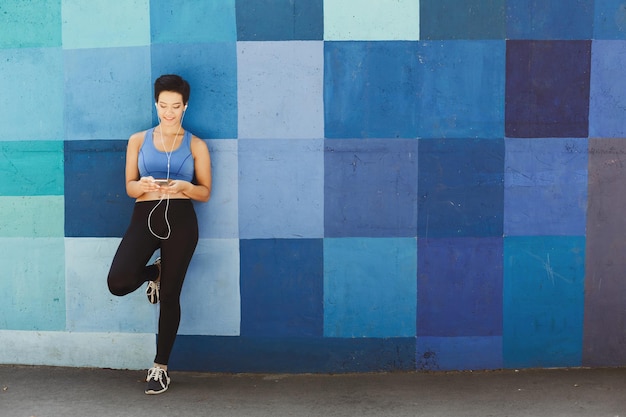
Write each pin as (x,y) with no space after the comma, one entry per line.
(158,381)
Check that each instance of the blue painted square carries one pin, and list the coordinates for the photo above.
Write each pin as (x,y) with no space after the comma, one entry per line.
(545,187)
(279,90)
(459,353)
(370,188)
(610,20)
(474,19)
(104,99)
(282,287)
(96,203)
(219,217)
(280,20)
(211,70)
(544,298)
(371,89)
(281,188)
(370,287)
(19,178)
(88,298)
(292,354)
(30,24)
(98,24)
(461,188)
(32,94)
(461,89)
(459,287)
(547,88)
(550,19)
(608,90)
(192,22)
(33,284)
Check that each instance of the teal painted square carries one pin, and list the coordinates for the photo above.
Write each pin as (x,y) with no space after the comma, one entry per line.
(90,305)
(545,187)
(30,216)
(461,89)
(191,22)
(370,287)
(473,19)
(550,20)
(108,93)
(32,94)
(30,24)
(17,162)
(543,301)
(100,24)
(33,283)
(610,19)
(211,70)
(281,188)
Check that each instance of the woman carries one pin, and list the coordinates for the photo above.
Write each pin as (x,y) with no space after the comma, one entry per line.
(161,163)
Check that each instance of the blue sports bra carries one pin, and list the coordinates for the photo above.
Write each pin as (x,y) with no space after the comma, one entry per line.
(153,162)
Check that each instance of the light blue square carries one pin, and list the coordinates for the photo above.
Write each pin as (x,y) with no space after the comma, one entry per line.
(281,188)
(211,70)
(32,94)
(33,283)
(545,187)
(32,216)
(210,300)
(191,22)
(544,299)
(461,89)
(280,89)
(218,218)
(90,305)
(101,24)
(370,287)
(108,93)
(607,89)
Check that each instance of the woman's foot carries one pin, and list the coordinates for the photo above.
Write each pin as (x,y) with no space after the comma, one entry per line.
(152,291)
(157,381)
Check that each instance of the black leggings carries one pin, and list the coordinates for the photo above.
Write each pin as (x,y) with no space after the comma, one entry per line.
(129,270)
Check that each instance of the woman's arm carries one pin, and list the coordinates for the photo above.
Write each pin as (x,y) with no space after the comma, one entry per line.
(202,166)
(135,186)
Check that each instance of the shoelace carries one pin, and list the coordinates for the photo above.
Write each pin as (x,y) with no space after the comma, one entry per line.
(156,374)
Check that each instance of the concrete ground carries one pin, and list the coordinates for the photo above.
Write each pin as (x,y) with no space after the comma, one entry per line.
(35,391)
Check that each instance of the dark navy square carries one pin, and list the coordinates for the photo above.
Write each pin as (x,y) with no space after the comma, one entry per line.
(282,287)
(280,20)
(459,287)
(96,203)
(547,89)
(461,187)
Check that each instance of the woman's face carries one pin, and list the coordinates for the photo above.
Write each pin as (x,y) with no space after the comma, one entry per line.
(170,107)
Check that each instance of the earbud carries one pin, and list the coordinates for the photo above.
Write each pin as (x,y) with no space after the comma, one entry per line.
(186,106)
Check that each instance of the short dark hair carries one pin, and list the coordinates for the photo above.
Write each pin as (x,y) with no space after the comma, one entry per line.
(172,82)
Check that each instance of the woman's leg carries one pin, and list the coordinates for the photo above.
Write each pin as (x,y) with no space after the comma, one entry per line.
(128,269)
(176,254)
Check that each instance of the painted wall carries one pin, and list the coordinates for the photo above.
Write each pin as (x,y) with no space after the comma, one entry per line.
(398,184)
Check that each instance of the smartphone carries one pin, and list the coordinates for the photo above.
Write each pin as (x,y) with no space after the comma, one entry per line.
(162,183)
